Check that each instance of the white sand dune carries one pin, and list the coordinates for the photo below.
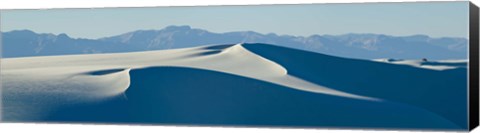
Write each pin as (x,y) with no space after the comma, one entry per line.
(33,87)
(67,79)
(233,59)
(432,65)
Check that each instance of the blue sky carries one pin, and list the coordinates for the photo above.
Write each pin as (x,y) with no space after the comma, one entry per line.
(436,19)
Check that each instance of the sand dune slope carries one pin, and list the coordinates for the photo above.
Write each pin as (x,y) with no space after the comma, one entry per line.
(242,84)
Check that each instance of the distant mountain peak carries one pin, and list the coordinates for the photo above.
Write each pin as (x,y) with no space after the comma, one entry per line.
(179,28)
(22,32)
(62,35)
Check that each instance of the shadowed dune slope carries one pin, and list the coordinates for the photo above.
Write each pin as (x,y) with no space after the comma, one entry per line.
(177,95)
(441,92)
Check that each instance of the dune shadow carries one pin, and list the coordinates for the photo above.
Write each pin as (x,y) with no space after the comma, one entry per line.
(188,96)
(394,60)
(442,92)
(207,53)
(105,72)
(219,47)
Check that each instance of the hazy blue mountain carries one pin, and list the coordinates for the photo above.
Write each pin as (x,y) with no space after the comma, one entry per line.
(25,43)
(364,46)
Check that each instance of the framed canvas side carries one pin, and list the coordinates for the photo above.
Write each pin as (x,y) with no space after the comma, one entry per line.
(1,56)
(473,67)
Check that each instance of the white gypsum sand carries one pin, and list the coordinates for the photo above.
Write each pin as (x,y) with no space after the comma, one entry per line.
(432,65)
(232,59)
(34,86)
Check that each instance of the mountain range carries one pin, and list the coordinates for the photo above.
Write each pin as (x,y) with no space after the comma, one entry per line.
(25,43)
